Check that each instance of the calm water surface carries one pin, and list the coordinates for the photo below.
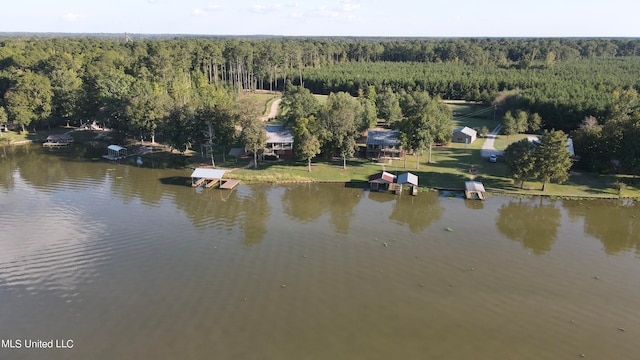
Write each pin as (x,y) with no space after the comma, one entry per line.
(130,263)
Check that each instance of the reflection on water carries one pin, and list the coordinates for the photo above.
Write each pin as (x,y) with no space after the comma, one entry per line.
(132,263)
(533,222)
(615,224)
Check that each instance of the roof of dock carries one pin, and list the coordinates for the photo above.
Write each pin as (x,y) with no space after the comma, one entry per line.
(207,173)
(474,186)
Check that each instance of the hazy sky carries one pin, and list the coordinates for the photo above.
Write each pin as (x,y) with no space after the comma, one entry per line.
(473,18)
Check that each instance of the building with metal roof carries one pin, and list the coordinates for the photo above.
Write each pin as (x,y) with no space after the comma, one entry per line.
(279,141)
(384,144)
(465,135)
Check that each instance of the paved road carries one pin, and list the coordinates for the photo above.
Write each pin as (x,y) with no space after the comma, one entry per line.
(487,148)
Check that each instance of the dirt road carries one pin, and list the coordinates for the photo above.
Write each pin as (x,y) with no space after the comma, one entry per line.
(273,111)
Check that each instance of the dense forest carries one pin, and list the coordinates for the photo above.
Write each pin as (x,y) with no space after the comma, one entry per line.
(148,87)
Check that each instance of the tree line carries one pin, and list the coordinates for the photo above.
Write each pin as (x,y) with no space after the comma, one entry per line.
(562,79)
(186,90)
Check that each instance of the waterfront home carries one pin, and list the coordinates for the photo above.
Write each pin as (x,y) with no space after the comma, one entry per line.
(384,144)
(536,140)
(279,141)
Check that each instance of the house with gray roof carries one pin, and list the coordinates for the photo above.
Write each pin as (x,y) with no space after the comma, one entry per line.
(384,144)
(279,141)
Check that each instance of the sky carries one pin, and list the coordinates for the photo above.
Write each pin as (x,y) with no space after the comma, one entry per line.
(392,18)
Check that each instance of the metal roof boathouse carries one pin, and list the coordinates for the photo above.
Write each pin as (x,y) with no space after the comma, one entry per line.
(210,177)
(474,190)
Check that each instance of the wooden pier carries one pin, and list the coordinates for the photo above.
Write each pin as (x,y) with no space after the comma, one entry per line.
(211,183)
(229,184)
(197,182)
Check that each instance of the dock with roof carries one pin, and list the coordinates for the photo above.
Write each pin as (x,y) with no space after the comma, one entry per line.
(210,177)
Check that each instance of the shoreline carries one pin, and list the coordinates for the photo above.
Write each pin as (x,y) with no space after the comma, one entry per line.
(490,191)
(363,184)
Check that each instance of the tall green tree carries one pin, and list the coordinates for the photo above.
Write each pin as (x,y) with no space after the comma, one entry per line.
(553,159)
(297,103)
(416,135)
(253,134)
(340,121)
(112,90)
(29,99)
(147,107)
(217,124)
(307,144)
(428,122)
(180,125)
(368,115)
(388,106)
(520,158)
(590,146)
(3,118)
(535,122)
(67,90)
(622,128)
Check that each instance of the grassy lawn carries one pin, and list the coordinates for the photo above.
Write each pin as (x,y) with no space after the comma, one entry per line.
(357,170)
(502,141)
(15,136)
(472,115)
(264,99)
(322,99)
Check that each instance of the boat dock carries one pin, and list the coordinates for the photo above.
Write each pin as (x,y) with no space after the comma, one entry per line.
(474,190)
(211,183)
(58,140)
(229,184)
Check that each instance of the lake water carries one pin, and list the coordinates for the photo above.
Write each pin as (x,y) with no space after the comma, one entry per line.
(130,263)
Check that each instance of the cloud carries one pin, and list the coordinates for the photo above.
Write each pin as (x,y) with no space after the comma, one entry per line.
(348,6)
(343,11)
(207,10)
(72,17)
(262,9)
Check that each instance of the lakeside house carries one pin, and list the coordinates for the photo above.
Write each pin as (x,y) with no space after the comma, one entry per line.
(465,135)
(536,140)
(279,141)
(384,145)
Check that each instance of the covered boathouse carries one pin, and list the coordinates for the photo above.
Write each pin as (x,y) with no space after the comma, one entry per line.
(115,152)
(474,190)
(210,177)
(58,140)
